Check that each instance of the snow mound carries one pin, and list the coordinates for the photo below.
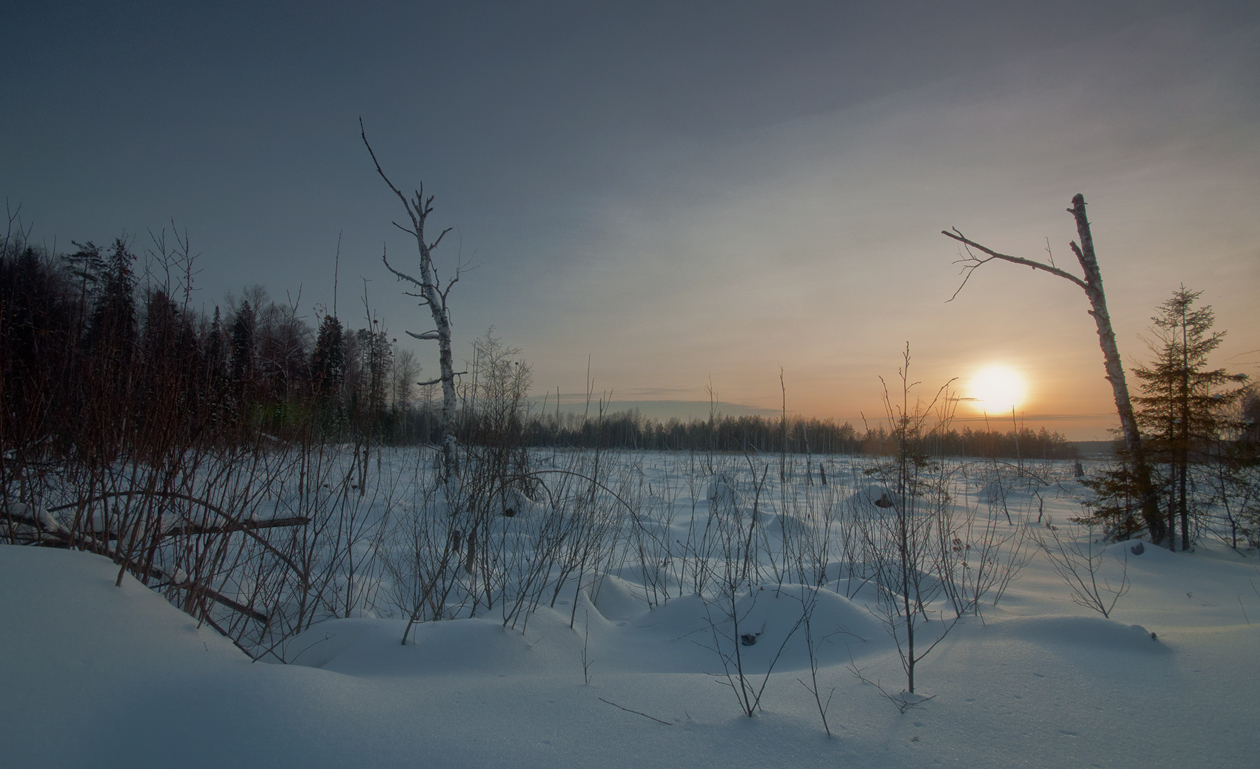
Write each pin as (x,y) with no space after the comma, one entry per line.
(1093,632)
(769,629)
(868,495)
(791,525)
(722,494)
(516,502)
(320,645)
(479,646)
(616,599)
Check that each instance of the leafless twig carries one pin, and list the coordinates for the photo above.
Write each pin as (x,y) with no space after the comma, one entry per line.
(636,712)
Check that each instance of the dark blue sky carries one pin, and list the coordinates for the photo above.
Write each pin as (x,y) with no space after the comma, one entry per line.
(680,190)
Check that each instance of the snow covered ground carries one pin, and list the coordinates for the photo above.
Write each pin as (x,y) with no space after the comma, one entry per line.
(98,675)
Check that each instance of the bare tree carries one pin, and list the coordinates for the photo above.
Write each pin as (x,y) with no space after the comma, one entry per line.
(1093,288)
(406,372)
(432,294)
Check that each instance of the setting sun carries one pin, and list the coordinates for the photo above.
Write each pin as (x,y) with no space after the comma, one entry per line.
(996,390)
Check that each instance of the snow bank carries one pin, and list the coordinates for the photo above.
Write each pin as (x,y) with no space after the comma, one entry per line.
(105,676)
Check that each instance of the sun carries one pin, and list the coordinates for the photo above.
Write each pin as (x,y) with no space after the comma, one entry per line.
(996,390)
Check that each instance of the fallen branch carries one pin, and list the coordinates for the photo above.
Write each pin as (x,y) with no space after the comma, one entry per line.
(249,530)
(200,589)
(637,713)
(228,528)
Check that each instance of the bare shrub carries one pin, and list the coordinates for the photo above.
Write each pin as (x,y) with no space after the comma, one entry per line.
(1080,567)
(725,617)
(981,552)
(904,538)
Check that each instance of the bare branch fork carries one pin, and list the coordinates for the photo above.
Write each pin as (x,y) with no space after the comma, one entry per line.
(1093,287)
(432,295)
(971,262)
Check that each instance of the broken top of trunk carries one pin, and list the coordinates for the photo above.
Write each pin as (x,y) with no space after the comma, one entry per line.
(433,294)
(976,255)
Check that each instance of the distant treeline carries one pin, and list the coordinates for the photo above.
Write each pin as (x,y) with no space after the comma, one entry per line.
(766,434)
(757,434)
(94,350)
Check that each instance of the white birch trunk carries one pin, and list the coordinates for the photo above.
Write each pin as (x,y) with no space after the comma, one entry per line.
(1093,288)
(432,294)
(1115,370)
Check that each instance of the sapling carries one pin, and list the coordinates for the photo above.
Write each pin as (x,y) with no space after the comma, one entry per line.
(904,534)
(728,647)
(586,643)
(809,601)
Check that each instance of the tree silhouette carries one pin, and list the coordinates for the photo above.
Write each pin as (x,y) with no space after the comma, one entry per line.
(1182,408)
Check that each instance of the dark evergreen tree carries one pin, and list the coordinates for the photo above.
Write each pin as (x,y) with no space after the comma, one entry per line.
(214,373)
(328,371)
(328,365)
(376,358)
(39,328)
(106,375)
(1184,405)
(170,366)
(112,330)
(243,359)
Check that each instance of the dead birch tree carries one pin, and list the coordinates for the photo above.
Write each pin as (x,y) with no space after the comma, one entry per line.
(1093,288)
(432,294)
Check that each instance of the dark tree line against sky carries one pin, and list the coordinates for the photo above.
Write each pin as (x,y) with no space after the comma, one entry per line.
(93,349)
(93,346)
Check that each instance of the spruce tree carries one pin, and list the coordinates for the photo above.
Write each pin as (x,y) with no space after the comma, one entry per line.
(243,358)
(1184,405)
(328,369)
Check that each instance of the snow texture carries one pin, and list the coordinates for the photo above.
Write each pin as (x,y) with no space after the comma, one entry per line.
(105,676)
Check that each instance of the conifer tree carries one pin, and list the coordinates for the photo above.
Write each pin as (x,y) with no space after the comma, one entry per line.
(1184,405)
(243,357)
(112,331)
(328,368)
(215,372)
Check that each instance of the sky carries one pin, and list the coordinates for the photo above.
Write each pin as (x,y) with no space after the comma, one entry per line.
(746,197)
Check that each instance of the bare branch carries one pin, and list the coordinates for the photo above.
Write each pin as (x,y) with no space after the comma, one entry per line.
(197,501)
(637,713)
(379,170)
(451,284)
(432,296)
(1092,285)
(434,244)
(971,262)
(399,275)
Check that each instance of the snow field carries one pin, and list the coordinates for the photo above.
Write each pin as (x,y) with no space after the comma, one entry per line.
(95,675)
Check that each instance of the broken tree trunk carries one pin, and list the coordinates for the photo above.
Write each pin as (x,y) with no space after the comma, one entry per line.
(433,295)
(1115,371)
(1093,287)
